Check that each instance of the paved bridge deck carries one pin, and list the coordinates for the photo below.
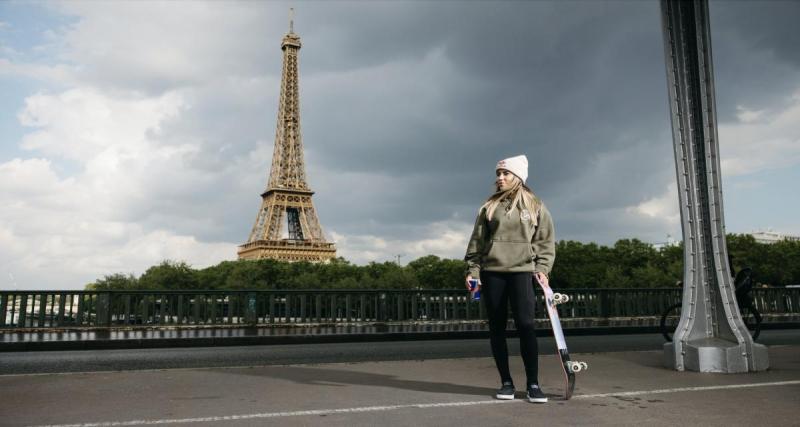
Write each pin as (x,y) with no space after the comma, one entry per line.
(620,388)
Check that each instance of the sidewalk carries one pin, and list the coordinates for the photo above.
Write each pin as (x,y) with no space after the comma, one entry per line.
(194,336)
(162,337)
(623,388)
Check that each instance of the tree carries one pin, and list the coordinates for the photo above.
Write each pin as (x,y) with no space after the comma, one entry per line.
(776,264)
(670,263)
(170,275)
(216,277)
(630,254)
(628,263)
(258,274)
(401,278)
(578,265)
(432,272)
(117,281)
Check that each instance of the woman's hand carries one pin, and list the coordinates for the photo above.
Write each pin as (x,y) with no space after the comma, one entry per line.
(466,282)
(542,278)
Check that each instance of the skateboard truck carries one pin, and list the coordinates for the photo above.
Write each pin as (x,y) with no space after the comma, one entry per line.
(560,298)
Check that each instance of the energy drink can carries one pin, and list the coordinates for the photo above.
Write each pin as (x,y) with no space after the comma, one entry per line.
(474,289)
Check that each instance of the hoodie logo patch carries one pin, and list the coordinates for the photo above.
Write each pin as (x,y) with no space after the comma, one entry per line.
(525,215)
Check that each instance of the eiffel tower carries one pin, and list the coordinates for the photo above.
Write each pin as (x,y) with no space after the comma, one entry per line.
(287,227)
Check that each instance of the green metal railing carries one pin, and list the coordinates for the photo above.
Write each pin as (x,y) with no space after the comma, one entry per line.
(62,309)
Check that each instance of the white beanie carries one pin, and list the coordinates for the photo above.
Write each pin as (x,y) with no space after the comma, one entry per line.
(517,165)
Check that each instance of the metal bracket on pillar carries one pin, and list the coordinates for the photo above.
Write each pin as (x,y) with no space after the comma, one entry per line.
(711,336)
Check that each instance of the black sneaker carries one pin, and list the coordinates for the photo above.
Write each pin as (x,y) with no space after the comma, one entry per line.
(535,394)
(506,391)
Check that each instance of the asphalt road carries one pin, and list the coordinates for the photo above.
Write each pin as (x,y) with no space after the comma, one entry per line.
(207,357)
(623,388)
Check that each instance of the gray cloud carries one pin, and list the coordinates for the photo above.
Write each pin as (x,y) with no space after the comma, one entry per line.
(420,100)
(756,60)
(406,107)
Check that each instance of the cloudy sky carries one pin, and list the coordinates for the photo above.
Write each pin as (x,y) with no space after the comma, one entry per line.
(132,132)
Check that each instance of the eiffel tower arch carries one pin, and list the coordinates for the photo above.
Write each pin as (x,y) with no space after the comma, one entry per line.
(287,227)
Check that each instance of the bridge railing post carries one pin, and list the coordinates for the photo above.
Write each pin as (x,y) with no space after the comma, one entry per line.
(251,313)
(103,309)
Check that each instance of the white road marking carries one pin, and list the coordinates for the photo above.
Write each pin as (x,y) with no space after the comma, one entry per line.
(680,389)
(416,406)
(282,414)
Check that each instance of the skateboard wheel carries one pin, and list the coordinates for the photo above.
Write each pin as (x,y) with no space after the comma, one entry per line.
(577,366)
(560,298)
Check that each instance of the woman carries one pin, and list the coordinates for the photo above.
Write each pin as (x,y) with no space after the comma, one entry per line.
(512,243)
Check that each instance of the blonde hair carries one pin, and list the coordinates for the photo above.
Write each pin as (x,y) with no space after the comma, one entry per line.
(521,197)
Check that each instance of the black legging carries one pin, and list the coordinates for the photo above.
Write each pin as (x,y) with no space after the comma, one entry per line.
(498,289)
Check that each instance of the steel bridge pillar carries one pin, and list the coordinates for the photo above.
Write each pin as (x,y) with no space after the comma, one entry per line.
(711,336)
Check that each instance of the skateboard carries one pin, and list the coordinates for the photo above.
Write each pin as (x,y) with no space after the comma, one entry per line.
(569,367)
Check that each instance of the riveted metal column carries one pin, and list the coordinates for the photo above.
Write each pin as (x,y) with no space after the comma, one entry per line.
(711,336)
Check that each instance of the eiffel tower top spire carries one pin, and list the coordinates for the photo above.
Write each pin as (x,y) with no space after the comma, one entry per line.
(288,166)
(290,39)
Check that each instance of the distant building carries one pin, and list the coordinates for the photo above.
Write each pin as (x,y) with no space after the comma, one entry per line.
(770,236)
(669,242)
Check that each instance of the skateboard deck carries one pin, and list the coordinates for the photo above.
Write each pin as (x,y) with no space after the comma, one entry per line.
(568,366)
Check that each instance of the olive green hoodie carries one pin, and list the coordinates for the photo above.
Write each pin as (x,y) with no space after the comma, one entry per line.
(506,243)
